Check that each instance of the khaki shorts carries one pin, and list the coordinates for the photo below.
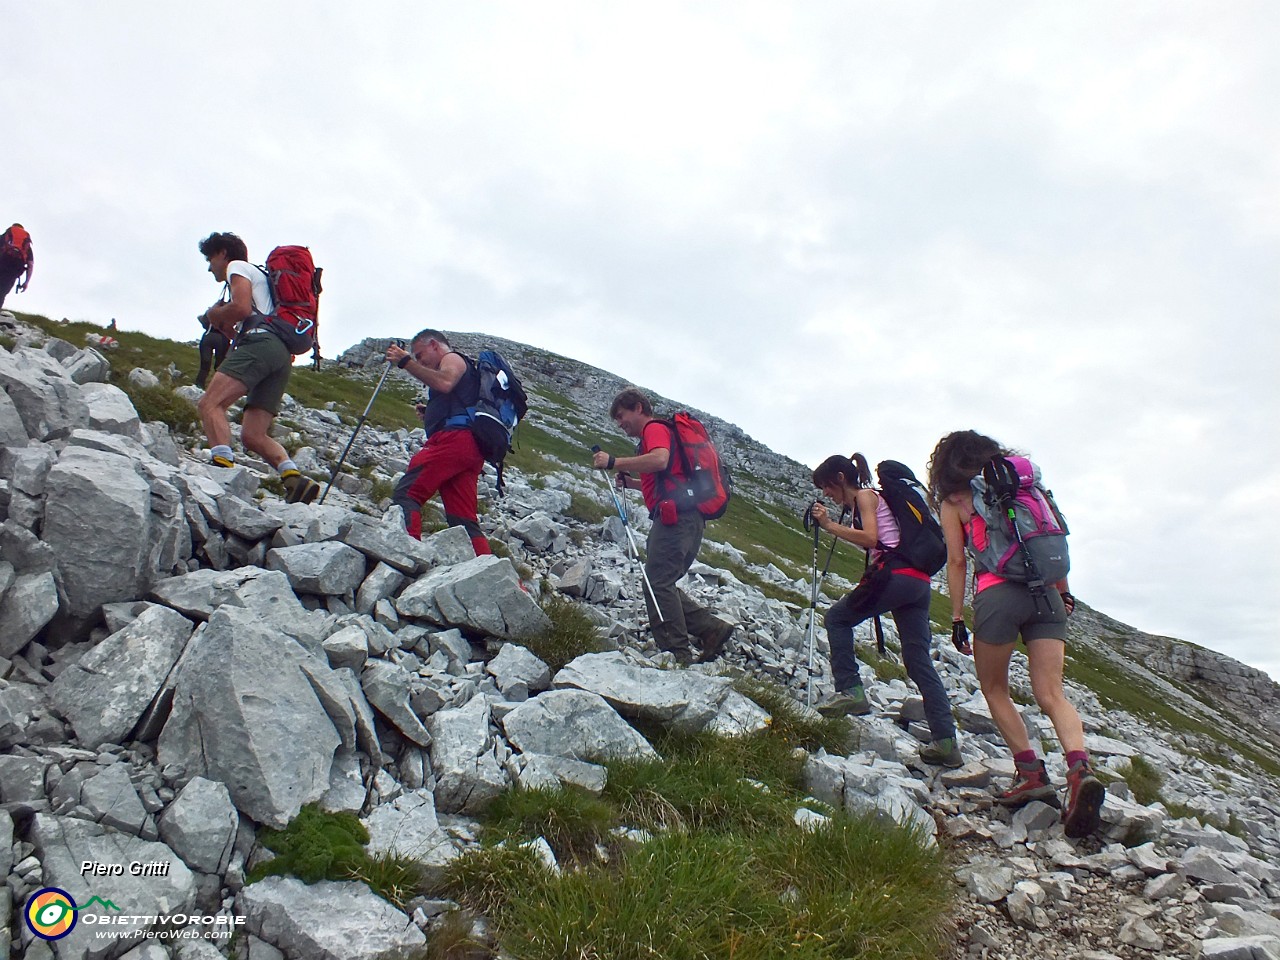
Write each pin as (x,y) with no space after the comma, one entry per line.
(260,361)
(1004,610)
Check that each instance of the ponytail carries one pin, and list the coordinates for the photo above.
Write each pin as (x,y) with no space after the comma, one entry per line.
(856,472)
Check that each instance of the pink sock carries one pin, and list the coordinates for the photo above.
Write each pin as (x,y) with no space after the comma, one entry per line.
(1077,756)
(1025,758)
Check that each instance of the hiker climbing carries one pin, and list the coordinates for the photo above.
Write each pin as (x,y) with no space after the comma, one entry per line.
(17,260)
(679,501)
(904,548)
(991,502)
(258,365)
(451,461)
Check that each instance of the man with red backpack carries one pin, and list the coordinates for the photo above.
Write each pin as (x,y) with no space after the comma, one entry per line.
(676,533)
(16,259)
(257,367)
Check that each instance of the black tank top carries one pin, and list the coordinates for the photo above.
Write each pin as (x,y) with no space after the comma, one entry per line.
(441,406)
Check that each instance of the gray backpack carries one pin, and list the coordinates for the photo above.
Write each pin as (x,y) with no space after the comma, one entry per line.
(1026,535)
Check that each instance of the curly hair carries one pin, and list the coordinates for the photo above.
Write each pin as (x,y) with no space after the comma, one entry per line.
(956,460)
(855,470)
(227,243)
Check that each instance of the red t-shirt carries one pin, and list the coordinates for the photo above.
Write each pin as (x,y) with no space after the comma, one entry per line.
(653,436)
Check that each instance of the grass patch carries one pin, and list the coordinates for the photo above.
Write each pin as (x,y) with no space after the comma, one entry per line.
(583,508)
(886,668)
(1144,780)
(319,846)
(161,403)
(571,634)
(726,873)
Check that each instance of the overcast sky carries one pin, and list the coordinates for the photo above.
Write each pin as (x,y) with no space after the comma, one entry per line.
(839,225)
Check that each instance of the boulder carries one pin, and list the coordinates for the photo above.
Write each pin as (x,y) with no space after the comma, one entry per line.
(576,724)
(97,519)
(482,594)
(328,569)
(63,844)
(200,825)
(106,691)
(246,714)
(468,775)
(111,410)
(30,602)
(329,920)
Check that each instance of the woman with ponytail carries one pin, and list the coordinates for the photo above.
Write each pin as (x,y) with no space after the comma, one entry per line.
(888,586)
(1003,609)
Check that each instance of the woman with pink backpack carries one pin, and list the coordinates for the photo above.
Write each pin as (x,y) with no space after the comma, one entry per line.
(992,506)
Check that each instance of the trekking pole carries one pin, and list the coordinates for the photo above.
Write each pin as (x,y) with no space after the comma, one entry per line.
(359,423)
(635,549)
(811,524)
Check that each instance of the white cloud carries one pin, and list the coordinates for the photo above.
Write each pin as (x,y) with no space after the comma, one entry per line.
(839,225)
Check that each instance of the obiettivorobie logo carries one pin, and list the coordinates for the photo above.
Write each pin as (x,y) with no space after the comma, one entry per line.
(51,913)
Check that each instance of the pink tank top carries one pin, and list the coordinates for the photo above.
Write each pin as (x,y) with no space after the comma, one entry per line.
(887,531)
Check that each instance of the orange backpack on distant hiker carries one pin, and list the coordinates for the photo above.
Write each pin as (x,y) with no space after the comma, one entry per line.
(294,279)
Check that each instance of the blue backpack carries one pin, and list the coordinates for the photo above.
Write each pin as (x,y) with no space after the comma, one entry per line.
(499,407)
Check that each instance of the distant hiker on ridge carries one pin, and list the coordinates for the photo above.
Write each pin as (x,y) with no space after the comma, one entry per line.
(890,585)
(257,367)
(674,538)
(966,465)
(451,461)
(16,258)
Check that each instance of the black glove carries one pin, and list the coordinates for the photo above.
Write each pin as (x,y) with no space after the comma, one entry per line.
(960,637)
(1069,602)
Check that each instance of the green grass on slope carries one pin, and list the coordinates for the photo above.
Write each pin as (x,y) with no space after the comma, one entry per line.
(1126,691)
(727,873)
(349,392)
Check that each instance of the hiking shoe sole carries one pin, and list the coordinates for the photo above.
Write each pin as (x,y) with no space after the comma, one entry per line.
(1084,818)
(1045,794)
(304,491)
(851,708)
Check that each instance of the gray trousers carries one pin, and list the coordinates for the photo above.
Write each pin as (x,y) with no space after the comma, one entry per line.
(672,550)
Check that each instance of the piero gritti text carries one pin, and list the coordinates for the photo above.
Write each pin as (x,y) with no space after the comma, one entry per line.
(135,868)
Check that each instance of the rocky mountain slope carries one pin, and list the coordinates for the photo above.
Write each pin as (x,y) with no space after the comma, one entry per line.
(163,622)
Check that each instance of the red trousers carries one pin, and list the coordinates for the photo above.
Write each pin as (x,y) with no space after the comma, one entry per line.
(451,464)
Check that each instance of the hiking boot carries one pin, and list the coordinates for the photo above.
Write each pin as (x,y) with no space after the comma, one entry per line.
(942,753)
(713,647)
(1030,782)
(299,489)
(852,702)
(1085,794)
(222,462)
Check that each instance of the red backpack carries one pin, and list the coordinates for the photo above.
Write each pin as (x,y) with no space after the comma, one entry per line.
(17,244)
(695,477)
(295,295)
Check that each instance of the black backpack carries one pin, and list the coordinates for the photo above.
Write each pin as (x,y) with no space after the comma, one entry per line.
(920,543)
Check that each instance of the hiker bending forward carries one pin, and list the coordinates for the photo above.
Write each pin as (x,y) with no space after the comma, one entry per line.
(888,586)
(681,626)
(450,462)
(1003,609)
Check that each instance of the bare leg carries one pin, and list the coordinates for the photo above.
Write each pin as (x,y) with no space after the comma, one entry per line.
(991,662)
(255,427)
(1046,658)
(222,393)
